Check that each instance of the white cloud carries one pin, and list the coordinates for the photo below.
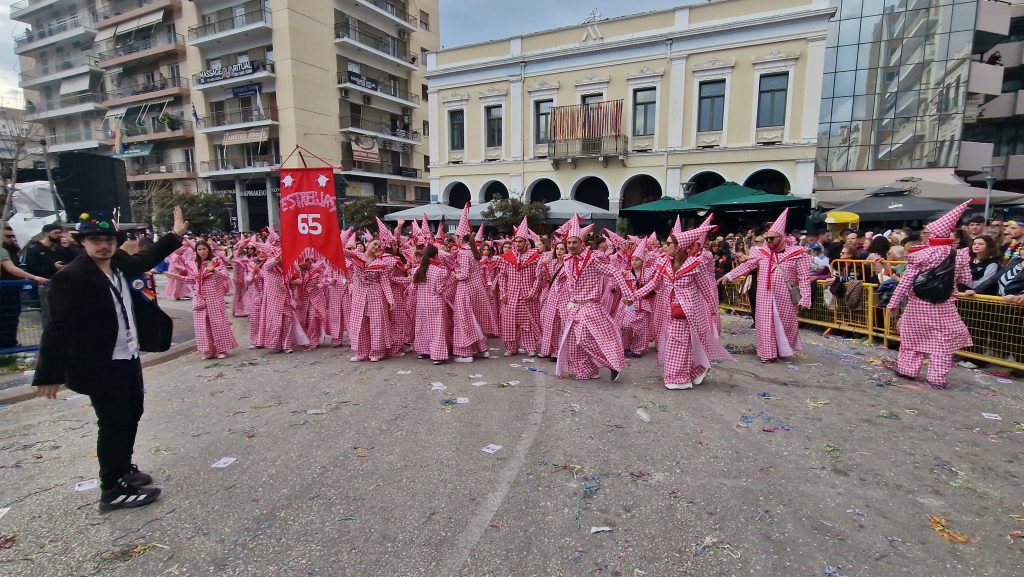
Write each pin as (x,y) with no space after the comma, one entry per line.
(9,61)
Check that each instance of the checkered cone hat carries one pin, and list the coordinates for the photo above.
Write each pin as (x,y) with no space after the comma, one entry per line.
(415,234)
(480,233)
(574,230)
(272,235)
(652,242)
(641,251)
(677,229)
(348,238)
(614,238)
(691,236)
(523,231)
(464,227)
(779,226)
(384,234)
(947,223)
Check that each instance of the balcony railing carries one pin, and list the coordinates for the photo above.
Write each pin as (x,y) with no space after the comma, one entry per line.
(161,168)
(80,59)
(376,85)
(397,9)
(143,44)
(382,127)
(125,91)
(51,29)
(75,136)
(230,23)
(405,171)
(237,116)
(388,45)
(20,5)
(65,101)
(232,71)
(118,8)
(240,163)
(580,147)
(130,129)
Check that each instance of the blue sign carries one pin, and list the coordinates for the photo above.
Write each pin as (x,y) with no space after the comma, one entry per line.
(247,90)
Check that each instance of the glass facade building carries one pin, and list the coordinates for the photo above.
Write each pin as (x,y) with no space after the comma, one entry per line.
(895,84)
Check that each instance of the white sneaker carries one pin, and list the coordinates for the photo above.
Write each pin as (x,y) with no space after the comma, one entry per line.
(679,387)
(485,355)
(531,354)
(463,359)
(374,359)
(354,359)
(508,353)
(700,378)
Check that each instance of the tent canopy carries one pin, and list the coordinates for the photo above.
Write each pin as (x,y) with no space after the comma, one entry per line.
(667,204)
(723,192)
(941,191)
(895,206)
(760,201)
(562,210)
(434,212)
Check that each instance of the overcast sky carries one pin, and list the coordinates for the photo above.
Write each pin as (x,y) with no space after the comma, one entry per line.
(462,22)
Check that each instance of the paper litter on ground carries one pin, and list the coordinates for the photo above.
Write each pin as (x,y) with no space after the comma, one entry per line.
(491,449)
(992,416)
(224,462)
(600,529)
(462,400)
(87,485)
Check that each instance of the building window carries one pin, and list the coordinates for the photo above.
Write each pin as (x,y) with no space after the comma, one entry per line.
(644,107)
(422,194)
(423,92)
(396,192)
(711,114)
(426,128)
(456,130)
(493,115)
(771,100)
(424,20)
(542,121)
(423,56)
(426,163)
(591,98)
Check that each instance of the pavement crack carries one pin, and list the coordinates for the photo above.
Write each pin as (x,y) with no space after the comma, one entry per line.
(20,499)
(144,525)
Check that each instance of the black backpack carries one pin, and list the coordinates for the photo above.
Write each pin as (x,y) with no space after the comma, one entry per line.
(935,285)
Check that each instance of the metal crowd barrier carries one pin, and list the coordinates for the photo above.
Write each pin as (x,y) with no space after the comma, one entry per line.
(21,318)
(996,327)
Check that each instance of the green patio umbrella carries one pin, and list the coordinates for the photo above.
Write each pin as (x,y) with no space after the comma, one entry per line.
(723,192)
(666,204)
(760,201)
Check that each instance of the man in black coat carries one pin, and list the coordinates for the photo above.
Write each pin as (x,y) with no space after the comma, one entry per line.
(98,325)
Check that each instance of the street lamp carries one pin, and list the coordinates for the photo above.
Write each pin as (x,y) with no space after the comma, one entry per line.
(685,188)
(990,179)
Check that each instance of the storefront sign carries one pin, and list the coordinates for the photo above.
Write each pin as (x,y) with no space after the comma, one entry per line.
(246,136)
(360,80)
(364,149)
(224,72)
(259,192)
(247,90)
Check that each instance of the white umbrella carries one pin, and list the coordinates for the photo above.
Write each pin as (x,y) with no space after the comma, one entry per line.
(561,210)
(434,212)
(476,213)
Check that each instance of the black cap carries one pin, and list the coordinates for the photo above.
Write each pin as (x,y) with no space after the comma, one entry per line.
(52,226)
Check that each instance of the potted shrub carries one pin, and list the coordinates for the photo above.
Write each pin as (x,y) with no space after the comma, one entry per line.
(170,121)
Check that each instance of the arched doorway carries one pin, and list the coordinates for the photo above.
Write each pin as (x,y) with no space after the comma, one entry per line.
(705,181)
(640,189)
(593,191)
(544,190)
(768,180)
(458,195)
(495,190)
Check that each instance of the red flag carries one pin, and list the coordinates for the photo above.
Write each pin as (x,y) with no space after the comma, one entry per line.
(309,216)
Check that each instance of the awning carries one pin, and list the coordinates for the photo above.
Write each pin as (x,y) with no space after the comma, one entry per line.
(143,21)
(136,150)
(668,205)
(105,34)
(246,136)
(721,193)
(563,209)
(74,84)
(119,111)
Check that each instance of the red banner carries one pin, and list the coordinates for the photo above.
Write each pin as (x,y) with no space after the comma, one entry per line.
(309,216)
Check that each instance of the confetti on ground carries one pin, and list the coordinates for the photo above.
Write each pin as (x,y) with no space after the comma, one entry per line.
(941,526)
(992,416)
(129,553)
(4,511)
(891,415)
(362,451)
(833,449)
(816,403)
(491,449)
(87,485)
(7,540)
(223,462)
(600,530)
(403,372)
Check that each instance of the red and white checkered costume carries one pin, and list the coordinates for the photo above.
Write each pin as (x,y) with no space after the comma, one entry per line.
(471,315)
(689,344)
(434,313)
(929,329)
(776,322)
(553,302)
(336,289)
(209,312)
(489,267)
(254,304)
(371,330)
(590,338)
(634,320)
(519,286)
(311,302)
(707,277)
(239,266)
(176,287)
(278,309)
(402,315)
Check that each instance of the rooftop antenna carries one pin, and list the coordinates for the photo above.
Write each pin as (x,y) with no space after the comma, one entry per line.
(592,16)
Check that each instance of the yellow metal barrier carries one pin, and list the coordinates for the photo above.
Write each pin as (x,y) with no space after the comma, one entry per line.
(996,327)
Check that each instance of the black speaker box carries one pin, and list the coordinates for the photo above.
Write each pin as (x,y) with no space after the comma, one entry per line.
(88,182)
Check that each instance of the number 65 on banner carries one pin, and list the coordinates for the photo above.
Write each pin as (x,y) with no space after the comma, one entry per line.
(308,224)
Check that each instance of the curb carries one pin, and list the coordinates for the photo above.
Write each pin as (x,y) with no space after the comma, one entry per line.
(27,392)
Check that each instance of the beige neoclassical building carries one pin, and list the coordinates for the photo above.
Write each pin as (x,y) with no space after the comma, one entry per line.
(619,111)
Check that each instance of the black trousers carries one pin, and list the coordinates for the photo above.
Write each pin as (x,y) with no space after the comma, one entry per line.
(10,312)
(118,405)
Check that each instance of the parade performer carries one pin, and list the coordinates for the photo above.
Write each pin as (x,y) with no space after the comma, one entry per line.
(518,283)
(471,315)
(209,279)
(634,310)
(690,342)
(279,321)
(434,293)
(589,337)
(553,301)
(240,264)
(926,328)
(311,301)
(254,298)
(371,331)
(783,287)
(177,288)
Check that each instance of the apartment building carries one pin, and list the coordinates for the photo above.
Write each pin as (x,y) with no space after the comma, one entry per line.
(909,90)
(343,79)
(107,77)
(621,111)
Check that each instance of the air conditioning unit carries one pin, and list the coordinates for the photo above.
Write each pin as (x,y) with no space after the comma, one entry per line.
(403,34)
(367,99)
(344,93)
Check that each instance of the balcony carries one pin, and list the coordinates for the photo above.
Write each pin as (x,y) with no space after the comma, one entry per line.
(985,78)
(142,50)
(357,168)
(602,147)
(162,171)
(379,128)
(238,73)
(117,12)
(992,25)
(1014,164)
(131,133)
(251,116)
(163,88)
(65,105)
(371,87)
(381,14)
(252,23)
(386,53)
(973,156)
(26,9)
(77,140)
(81,63)
(239,165)
(64,30)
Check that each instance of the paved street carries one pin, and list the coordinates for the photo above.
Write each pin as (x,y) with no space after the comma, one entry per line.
(362,470)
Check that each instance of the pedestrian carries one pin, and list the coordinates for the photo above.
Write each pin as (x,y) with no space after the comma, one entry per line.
(783,287)
(928,328)
(98,325)
(209,278)
(434,293)
(519,286)
(11,289)
(45,257)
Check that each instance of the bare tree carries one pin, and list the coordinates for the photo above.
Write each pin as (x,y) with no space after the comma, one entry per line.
(149,202)
(19,142)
